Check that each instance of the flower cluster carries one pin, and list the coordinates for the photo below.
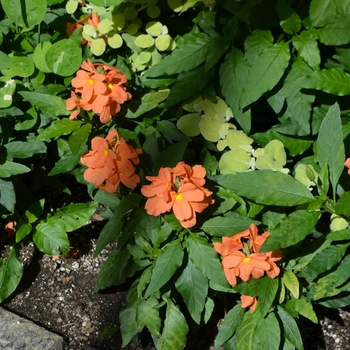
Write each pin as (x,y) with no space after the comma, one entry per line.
(180,189)
(242,257)
(101,90)
(111,162)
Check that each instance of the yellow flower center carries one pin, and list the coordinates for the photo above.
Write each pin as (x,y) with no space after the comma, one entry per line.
(110,86)
(90,81)
(246,260)
(105,152)
(178,197)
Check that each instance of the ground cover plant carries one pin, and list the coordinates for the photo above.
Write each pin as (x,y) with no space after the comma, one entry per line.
(215,136)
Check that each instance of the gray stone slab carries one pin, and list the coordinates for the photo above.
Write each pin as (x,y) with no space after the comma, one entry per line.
(17,333)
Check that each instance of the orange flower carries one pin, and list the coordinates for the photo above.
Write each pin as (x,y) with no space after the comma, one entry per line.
(111,161)
(250,262)
(252,265)
(101,90)
(10,228)
(347,164)
(174,189)
(248,301)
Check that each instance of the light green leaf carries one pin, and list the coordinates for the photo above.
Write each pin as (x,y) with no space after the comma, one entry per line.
(235,161)
(265,72)
(342,206)
(323,12)
(334,81)
(8,169)
(193,287)
(292,283)
(25,13)
(174,330)
(291,230)
(11,272)
(267,187)
(256,43)
(53,105)
(233,74)
(7,195)
(227,225)
(64,57)
(204,258)
(22,66)
(232,320)
(189,124)
(190,55)
(20,149)
(290,327)
(165,266)
(105,3)
(307,47)
(330,146)
(304,307)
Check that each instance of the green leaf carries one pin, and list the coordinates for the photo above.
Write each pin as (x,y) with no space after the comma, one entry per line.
(267,294)
(267,187)
(337,33)
(59,128)
(105,3)
(191,54)
(8,169)
(303,307)
(246,333)
(326,286)
(218,49)
(192,82)
(290,327)
(323,12)
(51,239)
(165,266)
(113,270)
(79,137)
(342,207)
(307,47)
(330,146)
(39,56)
(7,195)
(268,332)
(129,326)
(25,13)
(20,149)
(231,321)
(113,227)
(22,230)
(174,330)
(11,272)
(324,260)
(148,315)
(291,230)
(265,72)
(64,57)
(53,105)
(227,225)
(204,258)
(256,43)
(149,101)
(289,19)
(334,81)
(292,283)
(193,287)
(233,74)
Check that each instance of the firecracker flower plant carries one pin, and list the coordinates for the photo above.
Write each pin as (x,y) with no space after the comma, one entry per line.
(214,135)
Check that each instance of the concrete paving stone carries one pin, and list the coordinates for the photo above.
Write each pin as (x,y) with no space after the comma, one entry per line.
(17,333)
